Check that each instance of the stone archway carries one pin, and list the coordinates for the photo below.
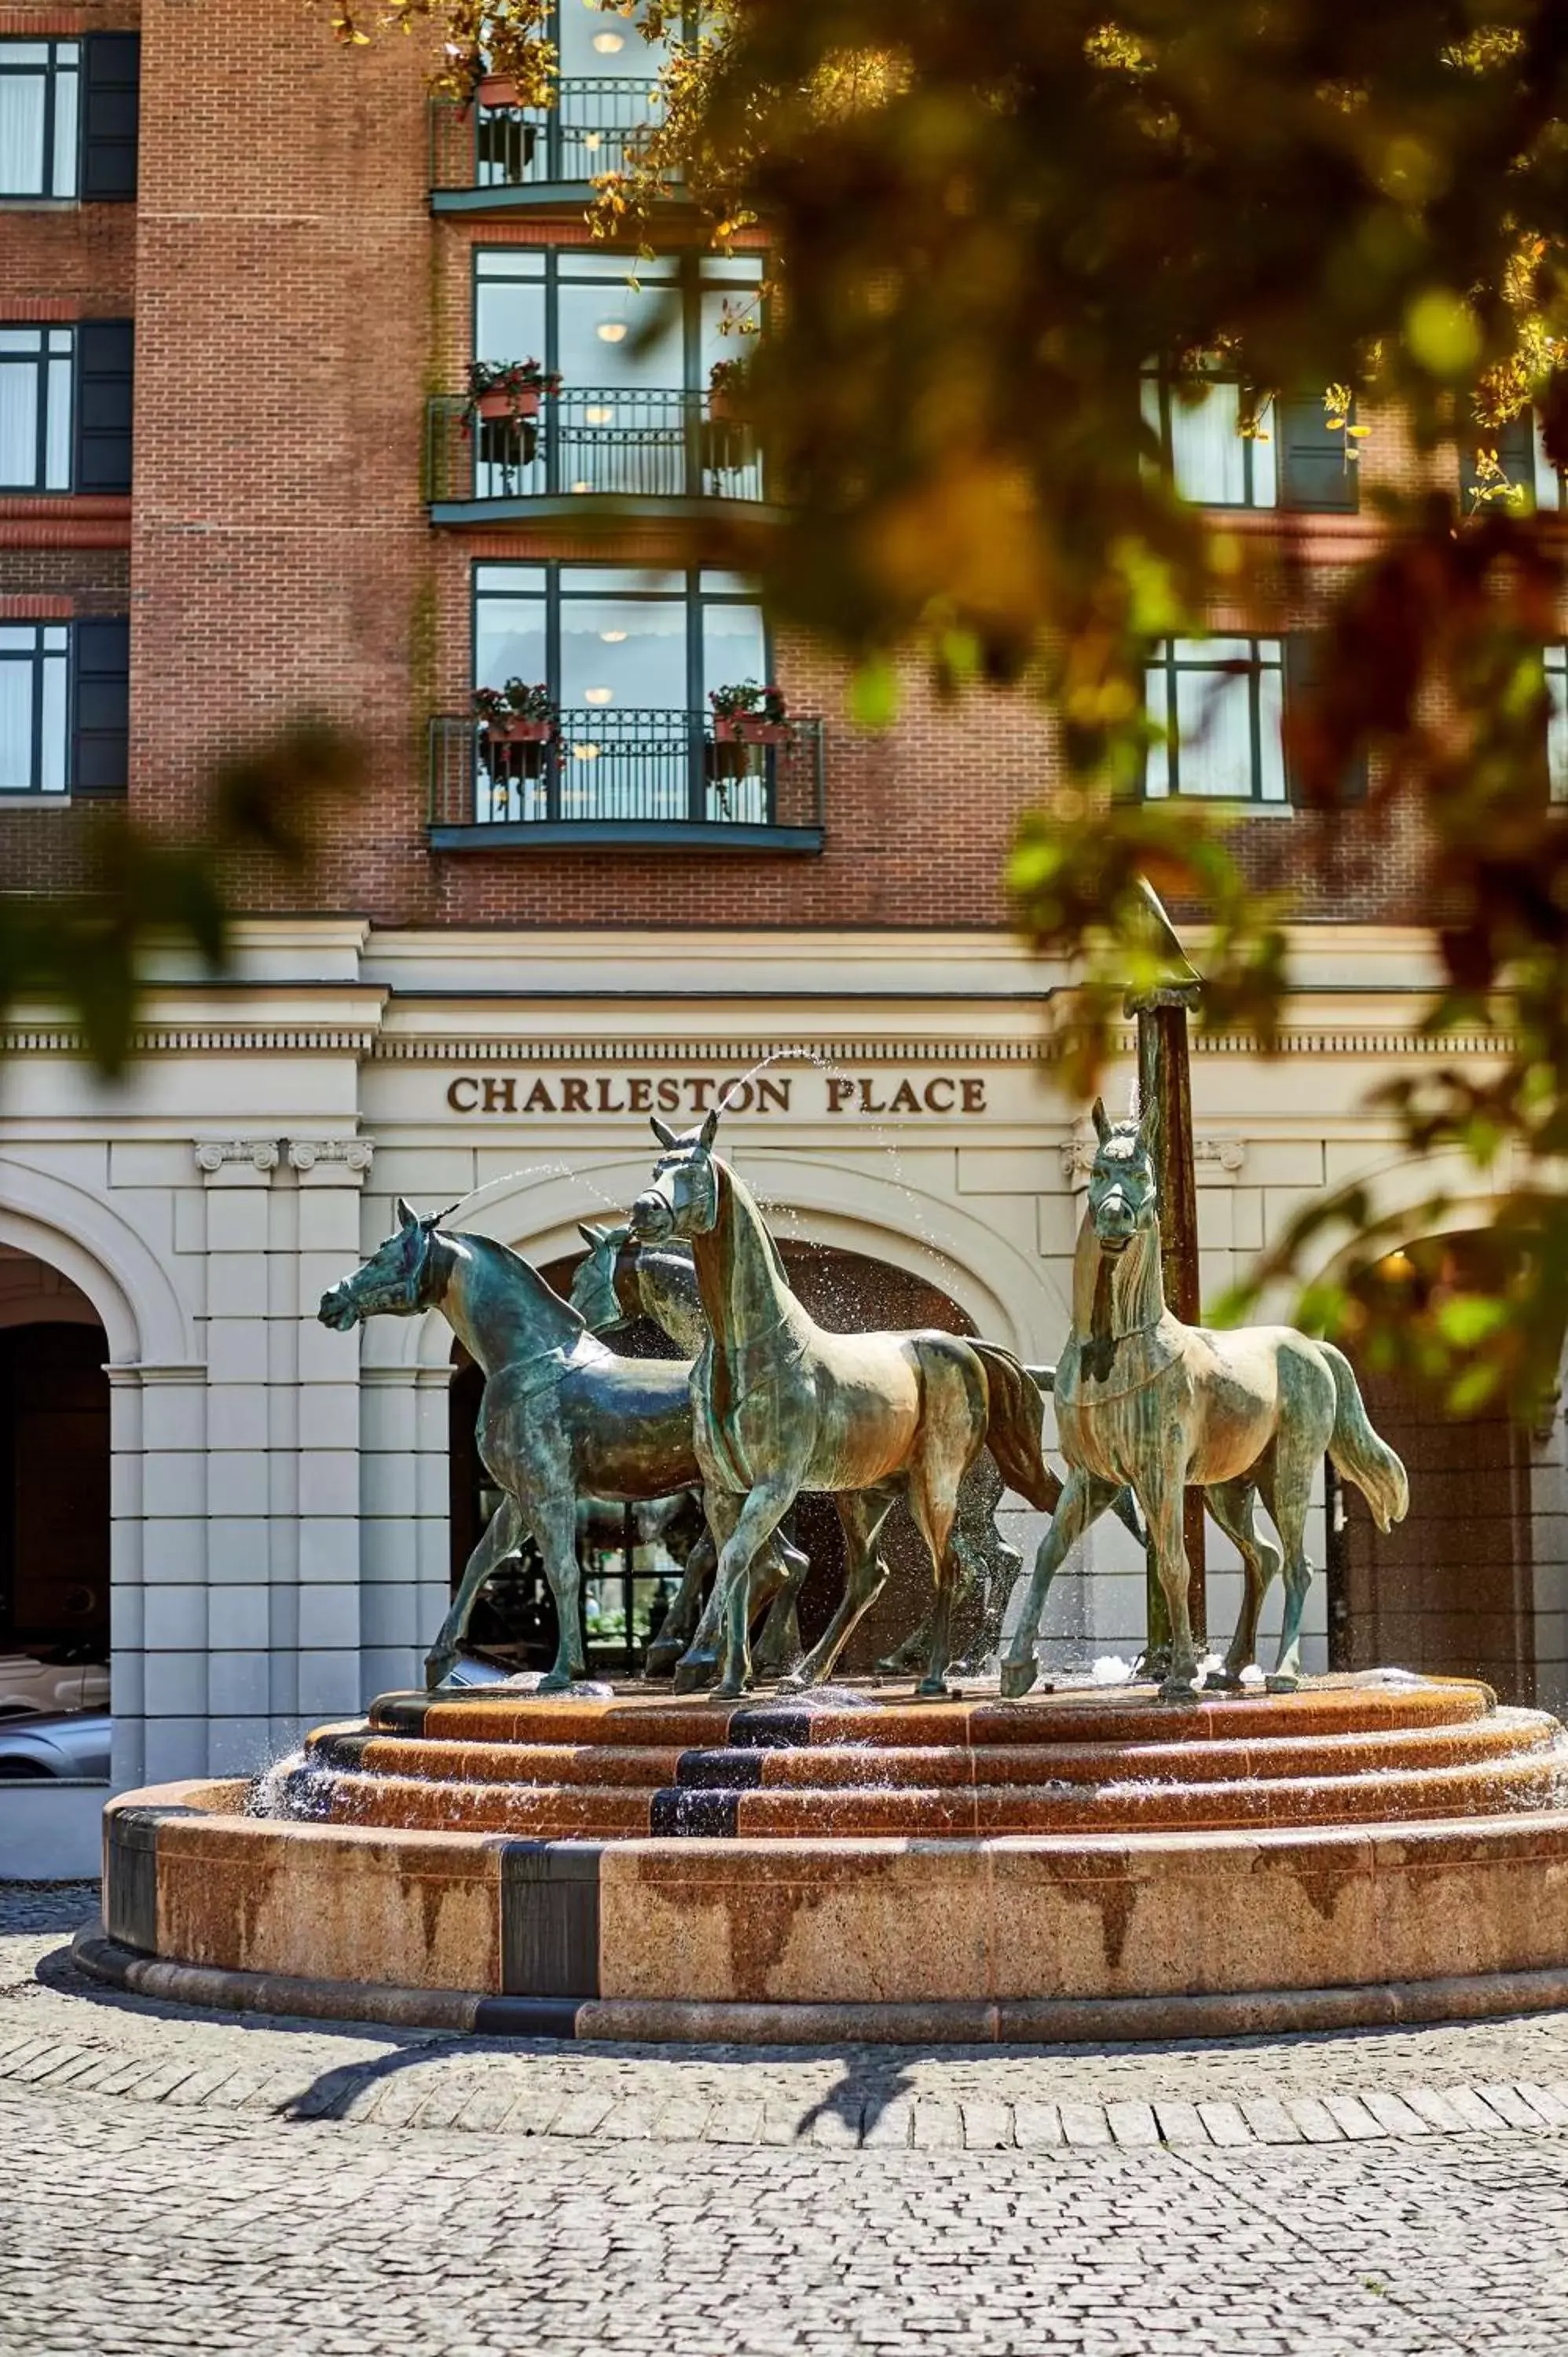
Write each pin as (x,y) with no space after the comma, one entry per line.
(1451,1589)
(54,1472)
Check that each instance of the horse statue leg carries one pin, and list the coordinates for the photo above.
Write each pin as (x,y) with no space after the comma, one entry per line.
(1234,1506)
(862,1514)
(1162,1493)
(555,1535)
(759,1514)
(675,1630)
(1286,1485)
(777,1577)
(501,1538)
(1083,1501)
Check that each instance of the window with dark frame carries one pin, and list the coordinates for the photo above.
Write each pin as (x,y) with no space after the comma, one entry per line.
(1294,460)
(1526,480)
(40,101)
(69,119)
(629,657)
(65,407)
(1556,660)
(64,708)
(1219,706)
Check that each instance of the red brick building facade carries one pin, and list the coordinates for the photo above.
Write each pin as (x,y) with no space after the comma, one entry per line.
(242,276)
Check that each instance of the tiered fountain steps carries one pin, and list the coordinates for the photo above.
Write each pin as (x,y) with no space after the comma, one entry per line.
(641,1765)
(1084,1865)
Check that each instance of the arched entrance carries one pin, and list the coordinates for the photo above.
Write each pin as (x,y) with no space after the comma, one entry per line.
(629,1573)
(54,1491)
(1451,1589)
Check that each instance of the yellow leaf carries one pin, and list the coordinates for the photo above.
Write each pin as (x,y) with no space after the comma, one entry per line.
(1359,431)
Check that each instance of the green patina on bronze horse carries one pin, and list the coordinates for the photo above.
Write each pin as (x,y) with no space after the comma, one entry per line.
(1143,1400)
(780,1405)
(562,1418)
(620,1280)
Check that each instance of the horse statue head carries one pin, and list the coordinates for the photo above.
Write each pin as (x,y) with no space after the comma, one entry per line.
(684,1200)
(596,1282)
(1123,1190)
(406,1274)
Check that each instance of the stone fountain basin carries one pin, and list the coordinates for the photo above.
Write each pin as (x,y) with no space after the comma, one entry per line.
(1066,1867)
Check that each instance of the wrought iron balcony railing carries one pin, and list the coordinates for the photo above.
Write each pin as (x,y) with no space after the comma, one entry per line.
(651,774)
(648,445)
(594,127)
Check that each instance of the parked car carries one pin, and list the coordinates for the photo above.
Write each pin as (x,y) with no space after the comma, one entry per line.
(62,1743)
(28,1684)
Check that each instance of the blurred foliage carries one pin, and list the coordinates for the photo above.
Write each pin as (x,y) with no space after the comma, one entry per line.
(991,221)
(81,953)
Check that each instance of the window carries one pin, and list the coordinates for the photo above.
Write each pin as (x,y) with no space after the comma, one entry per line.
(1557,722)
(1220,705)
(1528,478)
(40,86)
(65,407)
(1210,460)
(629,657)
(64,707)
(605,322)
(37,370)
(68,118)
(1295,462)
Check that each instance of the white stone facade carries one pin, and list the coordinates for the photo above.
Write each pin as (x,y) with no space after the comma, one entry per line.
(280,1547)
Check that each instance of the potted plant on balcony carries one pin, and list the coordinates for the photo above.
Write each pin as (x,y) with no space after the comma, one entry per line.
(504,398)
(744,717)
(517,724)
(730,433)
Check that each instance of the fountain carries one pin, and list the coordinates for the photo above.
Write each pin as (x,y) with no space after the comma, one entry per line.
(819,1861)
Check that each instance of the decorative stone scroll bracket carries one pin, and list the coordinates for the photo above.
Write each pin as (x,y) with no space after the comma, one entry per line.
(236,1161)
(316,1161)
(1217,1159)
(331,1161)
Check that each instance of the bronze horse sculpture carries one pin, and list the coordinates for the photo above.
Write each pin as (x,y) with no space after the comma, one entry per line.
(561,1416)
(1145,1401)
(780,1405)
(620,1280)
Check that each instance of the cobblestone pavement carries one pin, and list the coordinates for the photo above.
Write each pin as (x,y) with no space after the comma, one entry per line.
(170,2181)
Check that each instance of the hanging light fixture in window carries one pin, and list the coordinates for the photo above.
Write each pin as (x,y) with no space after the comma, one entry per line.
(598,413)
(611,331)
(609,45)
(598,696)
(613,638)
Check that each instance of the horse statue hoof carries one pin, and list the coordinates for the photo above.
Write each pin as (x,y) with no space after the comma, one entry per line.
(1178,1690)
(694,1670)
(661,1661)
(1289,1683)
(1223,1682)
(437,1667)
(936,1690)
(1017,1677)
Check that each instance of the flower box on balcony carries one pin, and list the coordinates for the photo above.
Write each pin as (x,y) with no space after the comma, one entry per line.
(507,402)
(750,728)
(498,90)
(517,747)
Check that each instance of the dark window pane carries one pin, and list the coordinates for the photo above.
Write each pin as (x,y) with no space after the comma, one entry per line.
(1314,472)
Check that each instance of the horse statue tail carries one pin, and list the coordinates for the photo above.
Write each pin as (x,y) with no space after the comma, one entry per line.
(1012,1432)
(1358,1452)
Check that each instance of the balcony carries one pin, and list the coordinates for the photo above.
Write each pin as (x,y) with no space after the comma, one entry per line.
(615,444)
(655,779)
(485,159)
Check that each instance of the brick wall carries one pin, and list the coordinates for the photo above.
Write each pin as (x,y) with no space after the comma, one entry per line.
(295,304)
